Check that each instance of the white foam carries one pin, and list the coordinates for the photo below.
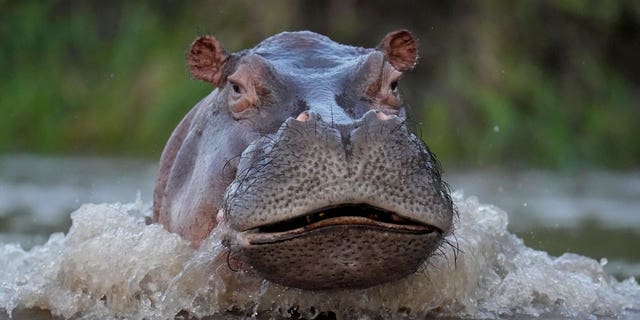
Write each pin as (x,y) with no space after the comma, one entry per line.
(112,264)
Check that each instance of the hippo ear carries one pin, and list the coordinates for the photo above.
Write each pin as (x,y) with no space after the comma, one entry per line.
(400,49)
(206,58)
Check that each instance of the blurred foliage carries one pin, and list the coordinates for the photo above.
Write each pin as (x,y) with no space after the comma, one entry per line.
(536,83)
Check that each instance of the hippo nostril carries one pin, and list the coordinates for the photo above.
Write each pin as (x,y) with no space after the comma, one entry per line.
(383,116)
(220,216)
(303,116)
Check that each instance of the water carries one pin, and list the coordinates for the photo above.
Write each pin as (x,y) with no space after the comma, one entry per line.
(593,213)
(38,193)
(110,263)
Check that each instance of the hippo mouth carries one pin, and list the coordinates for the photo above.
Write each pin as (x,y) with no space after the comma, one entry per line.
(345,246)
(362,216)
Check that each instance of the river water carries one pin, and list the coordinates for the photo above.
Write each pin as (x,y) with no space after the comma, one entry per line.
(527,243)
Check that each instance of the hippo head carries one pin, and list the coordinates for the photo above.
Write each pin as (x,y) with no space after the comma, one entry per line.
(304,155)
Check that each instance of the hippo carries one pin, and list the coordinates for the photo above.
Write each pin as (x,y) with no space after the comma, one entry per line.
(303,156)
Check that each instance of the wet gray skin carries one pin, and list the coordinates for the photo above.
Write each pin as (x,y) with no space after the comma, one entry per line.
(303,154)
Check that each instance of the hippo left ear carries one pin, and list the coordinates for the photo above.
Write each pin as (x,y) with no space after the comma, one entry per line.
(400,49)
(206,58)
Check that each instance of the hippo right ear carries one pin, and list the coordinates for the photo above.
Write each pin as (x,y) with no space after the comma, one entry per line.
(206,58)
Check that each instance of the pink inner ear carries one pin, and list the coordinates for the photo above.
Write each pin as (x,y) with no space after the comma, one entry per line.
(401,49)
(206,58)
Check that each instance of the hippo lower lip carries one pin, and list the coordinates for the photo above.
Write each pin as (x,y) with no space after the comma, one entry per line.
(346,215)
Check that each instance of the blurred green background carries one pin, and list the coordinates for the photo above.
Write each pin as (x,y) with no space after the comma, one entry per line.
(552,84)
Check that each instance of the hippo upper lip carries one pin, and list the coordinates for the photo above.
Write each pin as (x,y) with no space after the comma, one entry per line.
(362,215)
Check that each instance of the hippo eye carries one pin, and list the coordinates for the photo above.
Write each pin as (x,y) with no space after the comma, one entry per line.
(235,87)
(394,85)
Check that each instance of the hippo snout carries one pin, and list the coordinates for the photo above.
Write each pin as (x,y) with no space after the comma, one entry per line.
(303,156)
(309,165)
(347,205)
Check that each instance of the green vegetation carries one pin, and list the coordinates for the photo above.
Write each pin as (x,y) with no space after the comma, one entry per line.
(552,84)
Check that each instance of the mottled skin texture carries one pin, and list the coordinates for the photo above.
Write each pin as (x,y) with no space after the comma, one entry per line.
(303,153)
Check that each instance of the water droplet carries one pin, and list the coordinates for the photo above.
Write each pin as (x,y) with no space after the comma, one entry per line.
(524,204)
(496,129)
(604,261)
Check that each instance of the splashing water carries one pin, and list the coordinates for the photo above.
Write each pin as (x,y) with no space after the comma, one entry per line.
(113,264)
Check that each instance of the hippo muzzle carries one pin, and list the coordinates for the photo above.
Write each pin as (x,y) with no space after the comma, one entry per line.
(318,206)
(304,154)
